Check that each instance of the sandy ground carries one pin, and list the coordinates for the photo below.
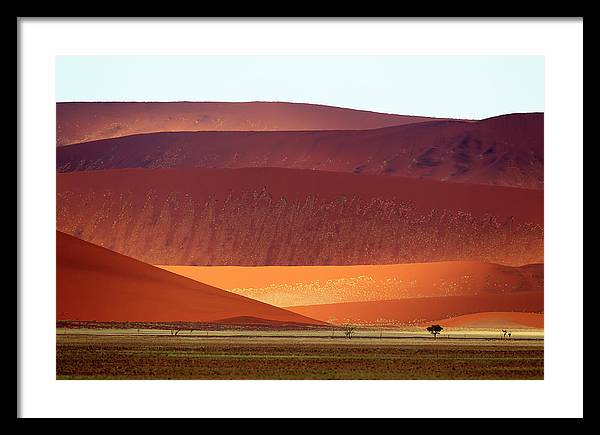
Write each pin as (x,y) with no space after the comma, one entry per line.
(196,357)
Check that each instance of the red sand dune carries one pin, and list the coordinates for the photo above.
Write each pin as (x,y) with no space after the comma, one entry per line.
(269,216)
(96,284)
(419,310)
(311,285)
(81,122)
(506,150)
(500,319)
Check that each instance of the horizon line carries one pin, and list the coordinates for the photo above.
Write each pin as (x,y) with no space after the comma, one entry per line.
(289,102)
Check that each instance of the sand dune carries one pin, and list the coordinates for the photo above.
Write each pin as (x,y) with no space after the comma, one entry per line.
(94,283)
(310,285)
(506,150)
(270,216)
(501,319)
(80,122)
(419,310)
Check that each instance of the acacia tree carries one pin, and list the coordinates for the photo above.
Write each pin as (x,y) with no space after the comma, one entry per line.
(349,330)
(380,322)
(435,330)
(332,322)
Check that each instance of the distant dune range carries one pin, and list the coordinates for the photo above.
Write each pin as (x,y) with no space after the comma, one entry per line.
(82,122)
(269,216)
(94,283)
(506,150)
(308,285)
(416,311)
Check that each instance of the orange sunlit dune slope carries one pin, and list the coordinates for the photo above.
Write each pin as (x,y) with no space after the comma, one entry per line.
(309,285)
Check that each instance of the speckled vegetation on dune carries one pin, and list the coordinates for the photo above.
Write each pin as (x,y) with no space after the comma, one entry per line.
(121,357)
(266,216)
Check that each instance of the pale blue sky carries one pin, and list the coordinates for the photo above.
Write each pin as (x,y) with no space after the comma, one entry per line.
(447,86)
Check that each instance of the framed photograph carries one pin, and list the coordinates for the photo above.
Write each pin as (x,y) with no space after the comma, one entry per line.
(361,221)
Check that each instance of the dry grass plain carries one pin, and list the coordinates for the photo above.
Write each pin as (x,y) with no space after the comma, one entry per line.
(152,354)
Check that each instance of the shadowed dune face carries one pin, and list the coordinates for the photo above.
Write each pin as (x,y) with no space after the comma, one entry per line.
(495,320)
(308,285)
(94,283)
(419,310)
(506,150)
(82,122)
(267,216)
